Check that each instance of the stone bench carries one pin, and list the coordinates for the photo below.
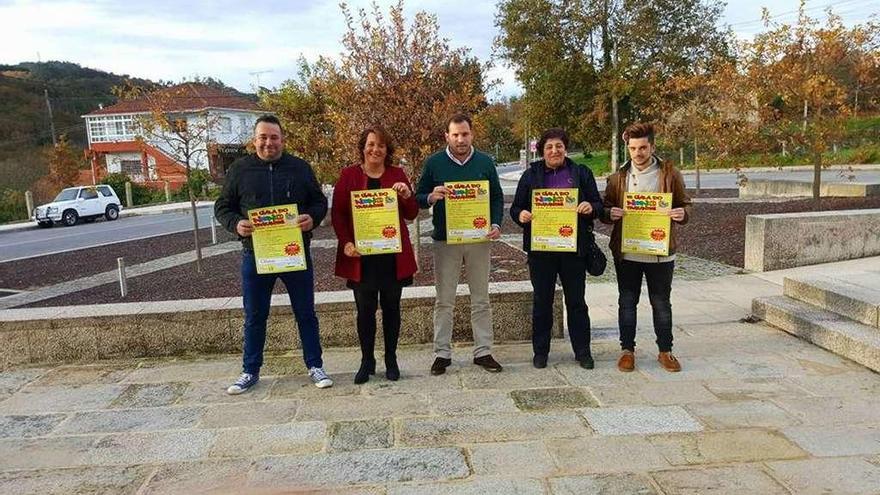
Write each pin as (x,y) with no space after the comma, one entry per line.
(785,188)
(166,328)
(787,240)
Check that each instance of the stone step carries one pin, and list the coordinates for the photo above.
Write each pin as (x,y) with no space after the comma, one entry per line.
(856,299)
(829,330)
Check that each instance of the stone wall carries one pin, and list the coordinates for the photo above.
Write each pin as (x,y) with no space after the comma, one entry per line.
(128,330)
(787,240)
(781,188)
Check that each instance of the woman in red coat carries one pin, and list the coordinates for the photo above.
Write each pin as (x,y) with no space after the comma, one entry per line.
(376,279)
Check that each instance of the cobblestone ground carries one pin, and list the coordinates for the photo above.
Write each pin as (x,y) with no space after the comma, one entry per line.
(754,411)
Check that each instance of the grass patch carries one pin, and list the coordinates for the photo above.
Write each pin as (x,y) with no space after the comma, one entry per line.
(598,161)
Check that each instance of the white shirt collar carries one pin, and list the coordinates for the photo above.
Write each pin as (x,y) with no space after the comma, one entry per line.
(456,160)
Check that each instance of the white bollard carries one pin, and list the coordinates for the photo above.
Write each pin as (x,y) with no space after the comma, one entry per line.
(213,231)
(123,283)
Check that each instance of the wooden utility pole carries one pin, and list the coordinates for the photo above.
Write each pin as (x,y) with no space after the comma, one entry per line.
(51,119)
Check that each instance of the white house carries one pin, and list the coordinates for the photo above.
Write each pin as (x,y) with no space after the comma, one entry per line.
(114,147)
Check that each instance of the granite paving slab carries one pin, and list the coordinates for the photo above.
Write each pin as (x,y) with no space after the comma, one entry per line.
(362,467)
(23,426)
(836,441)
(735,480)
(131,420)
(640,420)
(528,460)
(840,476)
(598,455)
(125,480)
(626,484)
(725,447)
(495,428)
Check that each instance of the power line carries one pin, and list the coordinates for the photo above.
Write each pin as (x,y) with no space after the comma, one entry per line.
(809,9)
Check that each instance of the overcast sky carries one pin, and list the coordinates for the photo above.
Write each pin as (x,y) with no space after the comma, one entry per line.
(234,40)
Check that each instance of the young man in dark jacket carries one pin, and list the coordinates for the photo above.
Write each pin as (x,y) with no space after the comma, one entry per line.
(555,170)
(268,178)
(645,172)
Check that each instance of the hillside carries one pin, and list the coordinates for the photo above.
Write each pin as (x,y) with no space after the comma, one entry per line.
(24,122)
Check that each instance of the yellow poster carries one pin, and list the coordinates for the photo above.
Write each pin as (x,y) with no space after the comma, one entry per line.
(376,222)
(467,212)
(646,223)
(278,240)
(554,220)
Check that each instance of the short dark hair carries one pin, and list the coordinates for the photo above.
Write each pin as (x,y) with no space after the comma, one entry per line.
(638,130)
(269,119)
(458,118)
(383,136)
(552,133)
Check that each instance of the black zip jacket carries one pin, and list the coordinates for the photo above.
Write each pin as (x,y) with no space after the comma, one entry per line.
(533,178)
(252,183)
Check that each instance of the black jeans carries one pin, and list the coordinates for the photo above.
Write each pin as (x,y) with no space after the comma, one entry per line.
(367,302)
(629,287)
(572,271)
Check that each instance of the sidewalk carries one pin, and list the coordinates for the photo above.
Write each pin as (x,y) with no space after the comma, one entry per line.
(755,410)
(126,212)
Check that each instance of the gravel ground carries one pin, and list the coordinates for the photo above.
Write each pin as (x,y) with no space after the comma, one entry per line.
(717,230)
(33,273)
(220,278)
(716,233)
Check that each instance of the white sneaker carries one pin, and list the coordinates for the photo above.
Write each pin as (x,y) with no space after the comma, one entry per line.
(320,378)
(244,382)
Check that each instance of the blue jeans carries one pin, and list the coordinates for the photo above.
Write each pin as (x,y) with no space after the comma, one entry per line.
(629,286)
(257,293)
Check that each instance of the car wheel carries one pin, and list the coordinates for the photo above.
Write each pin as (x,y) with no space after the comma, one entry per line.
(69,218)
(112,212)
(45,224)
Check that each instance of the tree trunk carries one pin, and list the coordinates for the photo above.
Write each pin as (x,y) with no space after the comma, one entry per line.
(615,127)
(817,174)
(195,215)
(697,166)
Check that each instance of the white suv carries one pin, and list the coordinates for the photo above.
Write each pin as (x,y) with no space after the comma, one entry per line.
(75,203)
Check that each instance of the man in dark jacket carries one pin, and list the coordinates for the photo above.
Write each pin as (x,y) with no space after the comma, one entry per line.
(557,171)
(269,178)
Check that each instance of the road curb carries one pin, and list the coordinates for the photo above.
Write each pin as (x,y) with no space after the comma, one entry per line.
(135,212)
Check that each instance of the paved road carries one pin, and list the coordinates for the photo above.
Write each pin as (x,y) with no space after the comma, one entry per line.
(37,242)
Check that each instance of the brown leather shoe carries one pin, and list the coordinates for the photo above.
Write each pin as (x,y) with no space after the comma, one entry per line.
(627,361)
(488,363)
(669,362)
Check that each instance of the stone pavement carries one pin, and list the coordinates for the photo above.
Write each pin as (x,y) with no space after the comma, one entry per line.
(754,411)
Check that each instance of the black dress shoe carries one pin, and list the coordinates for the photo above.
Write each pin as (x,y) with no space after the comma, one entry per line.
(488,363)
(587,362)
(539,361)
(439,366)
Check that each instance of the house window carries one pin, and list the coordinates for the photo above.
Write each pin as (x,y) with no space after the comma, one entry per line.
(224,124)
(112,128)
(243,125)
(131,168)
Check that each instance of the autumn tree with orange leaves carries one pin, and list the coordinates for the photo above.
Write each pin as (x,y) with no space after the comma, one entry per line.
(405,77)
(795,73)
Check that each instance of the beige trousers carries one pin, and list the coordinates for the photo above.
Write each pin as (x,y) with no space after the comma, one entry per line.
(448,259)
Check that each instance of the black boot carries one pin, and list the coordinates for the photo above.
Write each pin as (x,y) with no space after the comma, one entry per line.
(392,372)
(367,368)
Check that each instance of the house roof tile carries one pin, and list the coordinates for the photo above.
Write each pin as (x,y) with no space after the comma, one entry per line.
(183,97)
